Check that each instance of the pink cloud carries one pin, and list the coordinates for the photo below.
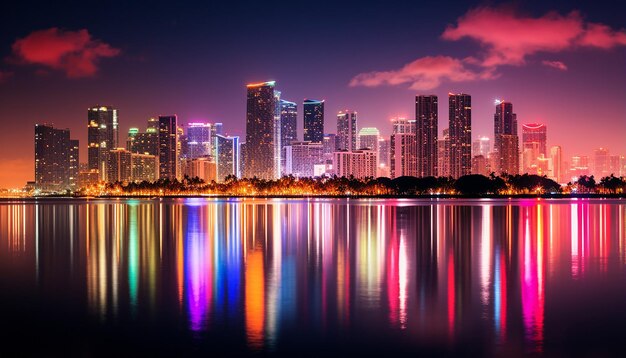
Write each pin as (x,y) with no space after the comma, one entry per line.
(555,64)
(508,37)
(74,52)
(422,74)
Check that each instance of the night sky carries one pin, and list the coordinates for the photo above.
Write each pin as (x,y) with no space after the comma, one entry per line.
(561,63)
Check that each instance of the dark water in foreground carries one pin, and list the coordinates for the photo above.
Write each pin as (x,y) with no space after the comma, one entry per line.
(313,278)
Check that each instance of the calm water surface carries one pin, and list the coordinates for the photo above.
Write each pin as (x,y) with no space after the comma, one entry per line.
(313,277)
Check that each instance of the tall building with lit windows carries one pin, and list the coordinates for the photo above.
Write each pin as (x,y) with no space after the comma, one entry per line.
(288,129)
(199,140)
(534,146)
(460,129)
(313,113)
(346,130)
(102,136)
(403,148)
(261,111)
(506,142)
(426,118)
(226,156)
(168,158)
(53,149)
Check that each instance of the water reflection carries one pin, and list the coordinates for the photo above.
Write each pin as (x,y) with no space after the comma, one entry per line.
(415,273)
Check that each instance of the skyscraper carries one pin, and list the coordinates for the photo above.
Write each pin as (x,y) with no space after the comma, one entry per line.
(313,120)
(426,118)
(199,140)
(119,168)
(346,130)
(360,164)
(102,136)
(506,143)
(601,163)
(330,146)
(226,156)
(304,157)
(288,129)
(52,158)
(403,148)
(168,159)
(460,127)
(260,131)
(534,144)
(74,163)
(556,156)
(368,138)
(481,146)
(443,154)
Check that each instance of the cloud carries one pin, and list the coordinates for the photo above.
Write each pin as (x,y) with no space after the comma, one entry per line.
(555,64)
(509,38)
(423,74)
(74,52)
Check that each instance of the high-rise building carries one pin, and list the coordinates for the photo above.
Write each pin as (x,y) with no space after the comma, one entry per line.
(443,154)
(346,130)
(313,111)
(102,136)
(368,138)
(556,156)
(199,141)
(426,118)
(288,129)
(203,168)
(168,143)
(460,126)
(360,164)
(506,142)
(481,146)
(74,163)
(260,131)
(130,140)
(330,146)
(226,156)
(119,168)
(534,146)
(403,148)
(383,157)
(52,158)
(601,167)
(144,167)
(304,157)
(479,165)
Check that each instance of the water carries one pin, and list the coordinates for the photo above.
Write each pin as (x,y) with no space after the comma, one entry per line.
(313,277)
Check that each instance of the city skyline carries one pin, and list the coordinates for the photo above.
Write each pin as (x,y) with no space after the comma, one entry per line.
(549,84)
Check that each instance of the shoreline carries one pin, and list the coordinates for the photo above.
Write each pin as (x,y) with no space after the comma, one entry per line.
(357,197)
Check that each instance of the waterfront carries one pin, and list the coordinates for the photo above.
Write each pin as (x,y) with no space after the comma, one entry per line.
(317,277)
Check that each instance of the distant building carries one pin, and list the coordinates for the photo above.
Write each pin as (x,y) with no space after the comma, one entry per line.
(479,165)
(506,143)
(346,130)
(368,138)
(304,157)
(119,168)
(460,127)
(403,148)
(260,131)
(168,143)
(313,113)
(102,136)
(601,161)
(383,157)
(481,146)
(426,119)
(288,129)
(199,140)
(556,156)
(534,146)
(443,154)
(360,164)
(204,168)
(144,167)
(52,158)
(144,142)
(330,146)
(226,156)
(74,163)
